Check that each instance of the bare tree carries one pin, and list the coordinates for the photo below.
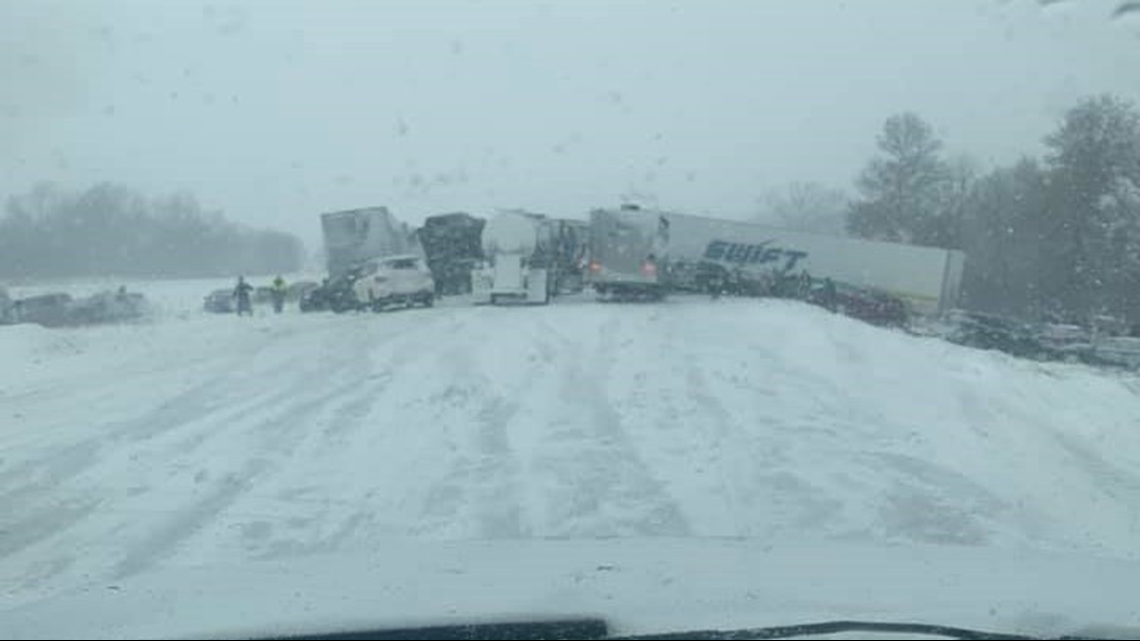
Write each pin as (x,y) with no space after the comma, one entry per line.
(109,229)
(805,206)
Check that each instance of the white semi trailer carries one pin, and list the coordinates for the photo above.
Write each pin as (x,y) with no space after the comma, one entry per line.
(355,236)
(647,253)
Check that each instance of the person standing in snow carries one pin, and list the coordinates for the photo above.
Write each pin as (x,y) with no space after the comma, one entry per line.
(241,293)
(803,289)
(278,293)
(829,295)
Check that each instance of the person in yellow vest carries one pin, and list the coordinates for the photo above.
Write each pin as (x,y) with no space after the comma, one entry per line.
(278,292)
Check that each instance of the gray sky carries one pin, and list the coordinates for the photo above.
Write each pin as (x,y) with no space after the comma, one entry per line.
(277,110)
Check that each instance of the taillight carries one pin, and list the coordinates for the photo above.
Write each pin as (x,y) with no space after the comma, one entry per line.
(595,266)
(649,268)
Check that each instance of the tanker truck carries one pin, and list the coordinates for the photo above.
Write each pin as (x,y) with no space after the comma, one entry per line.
(520,262)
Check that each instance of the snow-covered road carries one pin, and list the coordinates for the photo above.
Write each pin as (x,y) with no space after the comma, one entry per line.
(217,441)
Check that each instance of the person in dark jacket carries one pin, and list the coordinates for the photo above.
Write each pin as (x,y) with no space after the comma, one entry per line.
(242,293)
(803,286)
(830,295)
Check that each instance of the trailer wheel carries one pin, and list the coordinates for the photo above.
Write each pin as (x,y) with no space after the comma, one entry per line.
(428,300)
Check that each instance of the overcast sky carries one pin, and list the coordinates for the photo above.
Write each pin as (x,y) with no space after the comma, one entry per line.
(278,110)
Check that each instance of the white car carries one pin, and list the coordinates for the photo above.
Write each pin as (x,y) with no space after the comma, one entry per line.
(395,280)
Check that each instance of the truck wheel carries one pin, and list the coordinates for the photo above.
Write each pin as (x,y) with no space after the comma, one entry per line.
(428,300)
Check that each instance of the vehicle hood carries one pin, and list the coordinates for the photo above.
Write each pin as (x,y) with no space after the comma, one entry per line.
(639,586)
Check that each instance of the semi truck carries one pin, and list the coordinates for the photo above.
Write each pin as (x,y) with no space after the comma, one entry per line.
(528,258)
(637,252)
(358,235)
(453,246)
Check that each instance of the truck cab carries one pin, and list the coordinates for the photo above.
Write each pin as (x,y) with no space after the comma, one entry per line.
(625,251)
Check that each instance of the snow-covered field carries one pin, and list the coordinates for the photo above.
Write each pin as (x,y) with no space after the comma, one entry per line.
(202,440)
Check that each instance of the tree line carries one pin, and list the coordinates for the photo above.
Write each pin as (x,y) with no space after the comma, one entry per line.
(110,230)
(1055,237)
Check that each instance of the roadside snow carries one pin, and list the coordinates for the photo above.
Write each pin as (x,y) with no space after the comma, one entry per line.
(212,440)
(171,299)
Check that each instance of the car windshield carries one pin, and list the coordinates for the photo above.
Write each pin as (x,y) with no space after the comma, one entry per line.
(319,316)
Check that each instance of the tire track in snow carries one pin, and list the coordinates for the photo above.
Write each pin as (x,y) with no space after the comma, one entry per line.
(52,467)
(347,433)
(375,370)
(33,528)
(160,531)
(1119,484)
(276,440)
(40,484)
(715,432)
(181,410)
(488,482)
(185,521)
(602,485)
(289,407)
(319,427)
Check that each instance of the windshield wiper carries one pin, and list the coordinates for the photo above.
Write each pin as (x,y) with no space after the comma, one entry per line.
(836,627)
(598,629)
(565,629)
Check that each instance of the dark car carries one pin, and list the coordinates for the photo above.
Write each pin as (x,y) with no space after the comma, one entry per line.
(867,305)
(335,294)
(262,295)
(107,307)
(314,300)
(297,291)
(49,310)
(872,307)
(994,332)
(219,301)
